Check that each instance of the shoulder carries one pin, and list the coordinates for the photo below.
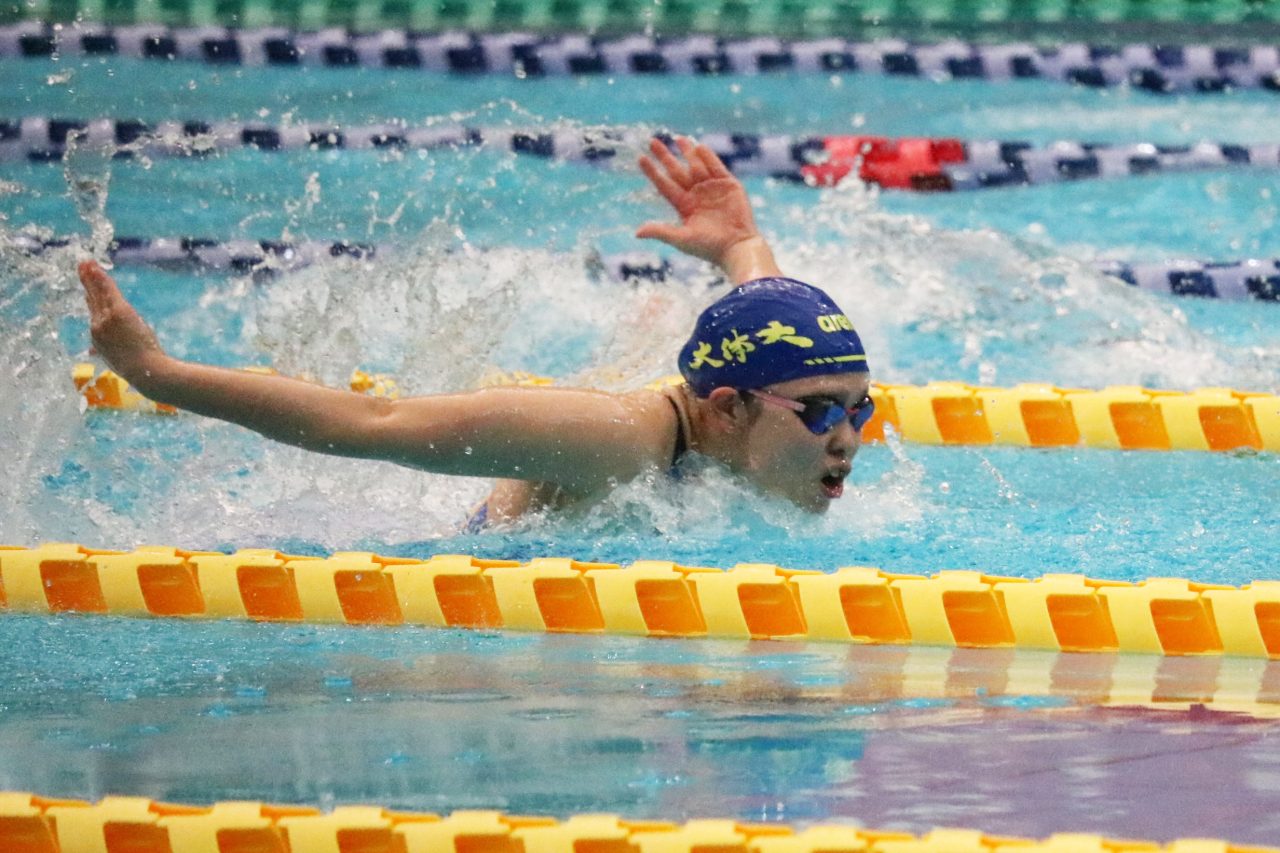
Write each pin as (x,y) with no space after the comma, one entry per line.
(588,439)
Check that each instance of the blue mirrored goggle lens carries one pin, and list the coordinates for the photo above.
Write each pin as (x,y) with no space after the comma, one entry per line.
(862,413)
(822,416)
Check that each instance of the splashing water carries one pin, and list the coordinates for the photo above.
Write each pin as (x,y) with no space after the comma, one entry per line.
(487,270)
(37,294)
(980,306)
(87,171)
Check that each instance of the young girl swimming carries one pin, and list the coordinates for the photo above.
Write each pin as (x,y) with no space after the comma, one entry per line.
(776,383)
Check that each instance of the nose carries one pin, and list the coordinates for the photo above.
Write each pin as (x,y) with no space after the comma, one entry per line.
(844,440)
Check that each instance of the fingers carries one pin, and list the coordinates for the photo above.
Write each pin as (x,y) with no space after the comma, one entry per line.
(703,163)
(669,189)
(712,163)
(663,231)
(98,286)
(100,291)
(697,169)
(675,169)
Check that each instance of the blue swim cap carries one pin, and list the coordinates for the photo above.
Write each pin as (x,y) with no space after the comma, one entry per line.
(769,330)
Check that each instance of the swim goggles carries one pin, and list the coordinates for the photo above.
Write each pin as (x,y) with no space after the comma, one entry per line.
(821,414)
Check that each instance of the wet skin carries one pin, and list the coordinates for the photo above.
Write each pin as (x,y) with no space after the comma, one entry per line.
(782,457)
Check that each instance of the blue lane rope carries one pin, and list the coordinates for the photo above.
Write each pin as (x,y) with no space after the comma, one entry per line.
(976,164)
(233,256)
(1160,68)
(1237,280)
(1246,279)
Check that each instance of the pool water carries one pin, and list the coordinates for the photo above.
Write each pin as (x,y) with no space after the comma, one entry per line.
(1015,743)
(486,269)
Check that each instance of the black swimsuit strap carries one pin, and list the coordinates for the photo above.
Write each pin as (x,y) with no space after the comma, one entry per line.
(682,443)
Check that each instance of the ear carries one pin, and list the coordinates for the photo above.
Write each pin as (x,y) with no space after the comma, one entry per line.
(726,408)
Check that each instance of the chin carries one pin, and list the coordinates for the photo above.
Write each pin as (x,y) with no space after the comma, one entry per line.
(814,506)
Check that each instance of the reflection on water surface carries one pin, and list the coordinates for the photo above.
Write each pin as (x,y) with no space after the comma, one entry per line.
(1014,743)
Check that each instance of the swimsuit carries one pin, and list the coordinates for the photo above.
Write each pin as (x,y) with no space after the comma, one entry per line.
(682,431)
(479,518)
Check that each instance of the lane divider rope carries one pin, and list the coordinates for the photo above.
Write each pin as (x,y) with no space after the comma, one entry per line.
(1252,278)
(916,163)
(957,609)
(767,17)
(1119,417)
(1153,67)
(36,824)
(208,255)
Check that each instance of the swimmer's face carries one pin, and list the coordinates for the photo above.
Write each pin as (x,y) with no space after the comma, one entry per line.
(782,457)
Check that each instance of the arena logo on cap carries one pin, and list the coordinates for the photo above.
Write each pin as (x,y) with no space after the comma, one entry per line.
(834,323)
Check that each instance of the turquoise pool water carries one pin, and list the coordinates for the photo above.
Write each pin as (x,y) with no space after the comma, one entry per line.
(487,269)
(1024,744)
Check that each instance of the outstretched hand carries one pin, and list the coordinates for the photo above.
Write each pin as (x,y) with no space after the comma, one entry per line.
(715,215)
(120,335)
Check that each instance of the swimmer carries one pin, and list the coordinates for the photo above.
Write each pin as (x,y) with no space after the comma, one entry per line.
(776,383)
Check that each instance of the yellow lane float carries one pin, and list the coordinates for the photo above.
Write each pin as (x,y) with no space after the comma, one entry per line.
(952,413)
(34,824)
(856,604)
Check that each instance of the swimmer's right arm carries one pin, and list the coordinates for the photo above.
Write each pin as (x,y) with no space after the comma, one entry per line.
(716,223)
(579,440)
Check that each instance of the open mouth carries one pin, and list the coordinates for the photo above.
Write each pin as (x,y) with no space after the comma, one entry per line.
(833,485)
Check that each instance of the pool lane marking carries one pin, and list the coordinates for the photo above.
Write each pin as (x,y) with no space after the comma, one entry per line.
(1250,278)
(911,163)
(1041,415)
(751,601)
(30,822)
(1156,68)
